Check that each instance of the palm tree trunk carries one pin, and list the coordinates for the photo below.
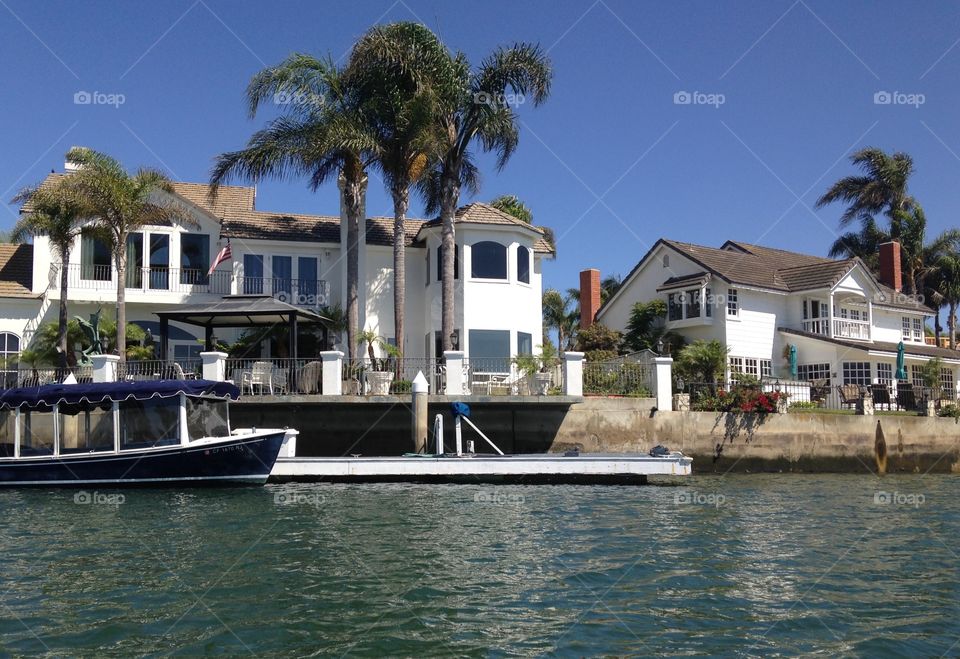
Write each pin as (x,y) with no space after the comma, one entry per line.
(450,195)
(62,319)
(121,262)
(401,201)
(354,186)
(952,324)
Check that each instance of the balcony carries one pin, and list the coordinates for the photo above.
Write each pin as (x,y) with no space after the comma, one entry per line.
(842,329)
(100,279)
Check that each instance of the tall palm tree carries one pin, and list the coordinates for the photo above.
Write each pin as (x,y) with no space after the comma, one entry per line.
(322,134)
(511,205)
(390,67)
(948,285)
(560,313)
(120,204)
(473,109)
(56,211)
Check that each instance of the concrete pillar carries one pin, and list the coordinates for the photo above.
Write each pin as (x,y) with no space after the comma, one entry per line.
(865,404)
(663,383)
(332,372)
(105,367)
(420,424)
(573,373)
(454,368)
(214,366)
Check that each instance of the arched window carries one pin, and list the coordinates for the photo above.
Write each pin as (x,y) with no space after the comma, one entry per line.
(523,264)
(488,260)
(456,263)
(9,350)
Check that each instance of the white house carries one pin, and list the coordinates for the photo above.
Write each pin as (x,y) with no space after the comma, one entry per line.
(298,259)
(845,323)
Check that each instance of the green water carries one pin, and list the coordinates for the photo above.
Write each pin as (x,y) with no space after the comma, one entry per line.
(749,565)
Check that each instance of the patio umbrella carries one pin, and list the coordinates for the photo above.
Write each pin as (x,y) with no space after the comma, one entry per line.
(793,362)
(901,366)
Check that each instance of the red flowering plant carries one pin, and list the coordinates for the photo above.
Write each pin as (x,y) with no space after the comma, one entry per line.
(741,398)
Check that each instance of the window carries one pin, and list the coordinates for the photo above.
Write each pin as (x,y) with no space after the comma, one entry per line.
(675,306)
(490,351)
(918,330)
(856,373)
(194,258)
(456,263)
(523,264)
(692,299)
(488,260)
(94,258)
(135,260)
(438,344)
(309,285)
(186,352)
(732,302)
(159,261)
(282,278)
(736,367)
(947,382)
(9,351)
(905,333)
(8,427)
(207,418)
(524,343)
(916,375)
(666,260)
(252,274)
(708,304)
(85,428)
(814,373)
(37,436)
(912,329)
(885,373)
(750,367)
(766,368)
(148,423)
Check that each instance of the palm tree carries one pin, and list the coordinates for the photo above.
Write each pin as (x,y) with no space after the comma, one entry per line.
(646,326)
(947,271)
(560,314)
(472,107)
(57,212)
(119,204)
(322,134)
(511,205)
(390,67)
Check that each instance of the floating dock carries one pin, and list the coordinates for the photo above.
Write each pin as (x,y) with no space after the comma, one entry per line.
(580,468)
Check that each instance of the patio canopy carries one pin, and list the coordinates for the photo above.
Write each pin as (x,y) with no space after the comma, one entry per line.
(238,311)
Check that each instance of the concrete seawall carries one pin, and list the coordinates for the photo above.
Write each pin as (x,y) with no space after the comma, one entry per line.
(745,442)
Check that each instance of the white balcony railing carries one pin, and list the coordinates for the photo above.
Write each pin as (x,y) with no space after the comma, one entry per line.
(842,329)
(817,326)
(188,281)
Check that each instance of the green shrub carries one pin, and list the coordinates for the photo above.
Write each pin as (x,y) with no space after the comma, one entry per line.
(401,387)
(949,410)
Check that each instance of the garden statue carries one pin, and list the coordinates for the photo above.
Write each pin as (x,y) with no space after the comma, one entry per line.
(91,331)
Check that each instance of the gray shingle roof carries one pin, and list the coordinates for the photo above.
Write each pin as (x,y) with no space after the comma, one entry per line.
(16,270)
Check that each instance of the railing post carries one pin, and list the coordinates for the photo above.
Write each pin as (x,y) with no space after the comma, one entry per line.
(105,367)
(454,368)
(214,366)
(573,373)
(332,372)
(663,368)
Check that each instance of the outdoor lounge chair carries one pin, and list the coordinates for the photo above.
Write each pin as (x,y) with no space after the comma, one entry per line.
(906,397)
(819,391)
(881,395)
(308,378)
(849,394)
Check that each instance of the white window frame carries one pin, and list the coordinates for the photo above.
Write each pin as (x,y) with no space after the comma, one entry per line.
(860,373)
(733,303)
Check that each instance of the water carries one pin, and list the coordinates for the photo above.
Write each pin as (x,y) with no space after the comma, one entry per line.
(753,565)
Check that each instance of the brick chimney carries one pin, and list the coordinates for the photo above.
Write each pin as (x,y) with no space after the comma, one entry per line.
(890,265)
(589,296)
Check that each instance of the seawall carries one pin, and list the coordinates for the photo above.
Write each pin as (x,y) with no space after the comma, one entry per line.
(719,442)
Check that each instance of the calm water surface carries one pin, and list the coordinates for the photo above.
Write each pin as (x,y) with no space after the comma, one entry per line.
(748,565)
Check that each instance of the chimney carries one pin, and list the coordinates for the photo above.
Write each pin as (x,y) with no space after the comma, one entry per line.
(589,296)
(890,265)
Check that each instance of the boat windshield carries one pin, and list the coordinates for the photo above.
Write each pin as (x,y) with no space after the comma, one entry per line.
(37,436)
(148,423)
(207,417)
(85,427)
(8,420)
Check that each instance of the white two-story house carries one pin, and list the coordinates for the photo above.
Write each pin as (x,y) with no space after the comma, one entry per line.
(298,259)
(844,322)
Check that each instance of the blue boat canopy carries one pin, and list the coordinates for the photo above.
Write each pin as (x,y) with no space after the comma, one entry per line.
(102,392)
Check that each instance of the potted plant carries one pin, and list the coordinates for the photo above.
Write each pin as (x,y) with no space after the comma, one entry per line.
(537,368)
(382,369)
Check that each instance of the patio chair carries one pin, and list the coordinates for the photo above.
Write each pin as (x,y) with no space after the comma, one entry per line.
(881,395)
(278,380)
(906,397)
(260,375)
(819,391)
(308,378)
(849,394)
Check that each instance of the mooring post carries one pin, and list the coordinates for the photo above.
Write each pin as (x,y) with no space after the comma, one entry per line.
(420,422)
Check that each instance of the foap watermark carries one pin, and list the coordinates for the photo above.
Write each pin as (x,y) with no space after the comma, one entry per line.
(699,98)
(285,97)
(497,498)
(899,98)
(302,299)
(692,497)
(495,100)
(899,298)
(882,498)
(314,499)
(95,498)
(98,98)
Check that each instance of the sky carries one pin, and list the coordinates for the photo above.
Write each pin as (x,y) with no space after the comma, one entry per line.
(698,121)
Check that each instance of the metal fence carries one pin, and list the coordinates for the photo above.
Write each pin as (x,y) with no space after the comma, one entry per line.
(628,375)
(22,375)
(158,369)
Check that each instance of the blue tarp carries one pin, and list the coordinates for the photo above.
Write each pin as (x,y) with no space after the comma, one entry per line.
(51,394)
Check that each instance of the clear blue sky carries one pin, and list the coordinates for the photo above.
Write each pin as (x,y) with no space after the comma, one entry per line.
(611,162)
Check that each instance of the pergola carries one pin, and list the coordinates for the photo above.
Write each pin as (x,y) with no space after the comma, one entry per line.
(238,311)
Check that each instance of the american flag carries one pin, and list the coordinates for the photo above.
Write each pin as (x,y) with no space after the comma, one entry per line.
(225,255)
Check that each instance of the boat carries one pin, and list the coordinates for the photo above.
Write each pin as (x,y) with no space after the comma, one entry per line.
(132,433)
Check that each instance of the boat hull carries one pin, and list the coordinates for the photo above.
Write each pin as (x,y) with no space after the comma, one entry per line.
(246,459)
